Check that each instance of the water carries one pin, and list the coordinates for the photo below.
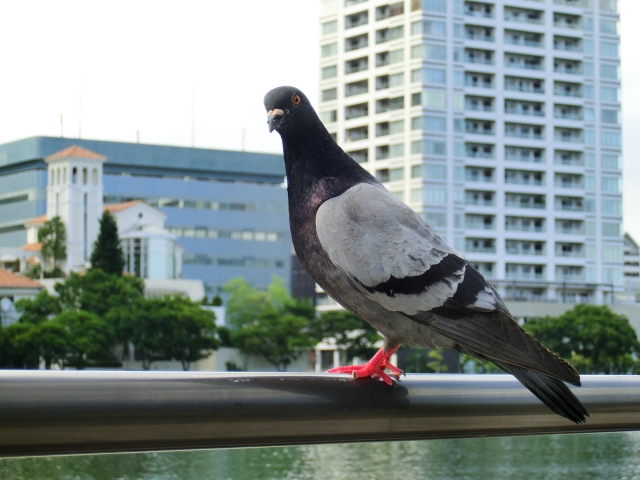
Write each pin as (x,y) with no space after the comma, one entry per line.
(590,456)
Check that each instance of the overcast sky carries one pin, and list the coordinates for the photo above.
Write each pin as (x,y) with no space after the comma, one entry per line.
(133,66)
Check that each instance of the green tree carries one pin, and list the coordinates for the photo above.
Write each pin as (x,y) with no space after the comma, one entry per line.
(38,309)
(244,303)
(48,340)
(423,361)
(216,301)
(90,338)
(593,338)
(271,324)
(357,337)
(20,351)
(280,339)
(53,237)
(172,328)
(107,252)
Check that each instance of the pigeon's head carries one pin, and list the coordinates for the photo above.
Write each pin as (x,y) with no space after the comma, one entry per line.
(287,108)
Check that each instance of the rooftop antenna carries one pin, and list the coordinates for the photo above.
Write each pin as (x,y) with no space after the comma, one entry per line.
(80,105)
(193,112)
(61,126)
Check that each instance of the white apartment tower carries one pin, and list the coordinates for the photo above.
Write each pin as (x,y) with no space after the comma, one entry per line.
(498,121)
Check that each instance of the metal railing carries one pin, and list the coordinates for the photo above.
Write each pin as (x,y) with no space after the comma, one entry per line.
(70,412)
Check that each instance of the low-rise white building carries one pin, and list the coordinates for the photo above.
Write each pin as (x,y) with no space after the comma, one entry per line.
(74,193)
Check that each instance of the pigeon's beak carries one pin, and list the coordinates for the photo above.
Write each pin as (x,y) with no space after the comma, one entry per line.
(274,119)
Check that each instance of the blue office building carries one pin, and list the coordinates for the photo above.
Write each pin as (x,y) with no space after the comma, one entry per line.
(227,208)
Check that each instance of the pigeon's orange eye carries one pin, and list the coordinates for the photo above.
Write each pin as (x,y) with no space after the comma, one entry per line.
(296,100)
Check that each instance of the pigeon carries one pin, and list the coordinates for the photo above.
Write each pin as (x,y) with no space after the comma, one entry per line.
(380,260)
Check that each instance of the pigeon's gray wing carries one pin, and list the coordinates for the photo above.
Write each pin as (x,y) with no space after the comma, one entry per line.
(391,255)
(396,259)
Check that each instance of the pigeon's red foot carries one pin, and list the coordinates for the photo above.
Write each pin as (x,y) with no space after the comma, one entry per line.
(374,367)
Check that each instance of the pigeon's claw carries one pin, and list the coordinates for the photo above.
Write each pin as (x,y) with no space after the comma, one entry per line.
(374,367)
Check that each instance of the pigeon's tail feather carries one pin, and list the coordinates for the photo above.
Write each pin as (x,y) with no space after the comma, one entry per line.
(552,392)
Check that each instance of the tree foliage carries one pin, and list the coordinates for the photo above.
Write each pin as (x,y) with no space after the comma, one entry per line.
(53,236)
(593,338)
(38,309)
(171,328)
(90,339)
(107,252)
(357,337)
(95,312)
(271,324)
(423,361)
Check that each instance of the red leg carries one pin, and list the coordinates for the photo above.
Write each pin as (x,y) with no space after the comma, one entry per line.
(375,366)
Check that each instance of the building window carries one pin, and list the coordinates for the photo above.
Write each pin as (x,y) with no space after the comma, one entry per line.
(329,72)
(74,175)
(329,27)
(94,175)
(329,94)
(85,176)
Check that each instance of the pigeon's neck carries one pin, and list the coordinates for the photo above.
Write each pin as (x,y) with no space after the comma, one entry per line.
(317,168)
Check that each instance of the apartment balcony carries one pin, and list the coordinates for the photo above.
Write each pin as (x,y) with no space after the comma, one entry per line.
(523,108)
(570,250)
(525,224)
(484,199)
(359,156)
(479,80)
(356,111)
(569,136)
(567,44)
(356,88)
(356,43)
(516,177)
(480,57)
(481,34)
(517,200)
(570,115)
(473,150)
(355,20)
(522,154)
(569,205)
(356,65)
(570,277)
(564,20)
(479,222)
(569,181)
(565,91)
(568,68)
(479,105)
(523,247)
(528,40)
(562,157)
(524,62)
(476,174)
(525,272)
(520,15)
(572,3)
(479,127)
(523,85)
(524,131)
(480,245)
(570,227)
(478,10)
(356,134)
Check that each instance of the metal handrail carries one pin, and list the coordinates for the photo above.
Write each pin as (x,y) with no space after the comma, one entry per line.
(71,412)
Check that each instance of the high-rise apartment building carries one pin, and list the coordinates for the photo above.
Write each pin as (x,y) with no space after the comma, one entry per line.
(498,121)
